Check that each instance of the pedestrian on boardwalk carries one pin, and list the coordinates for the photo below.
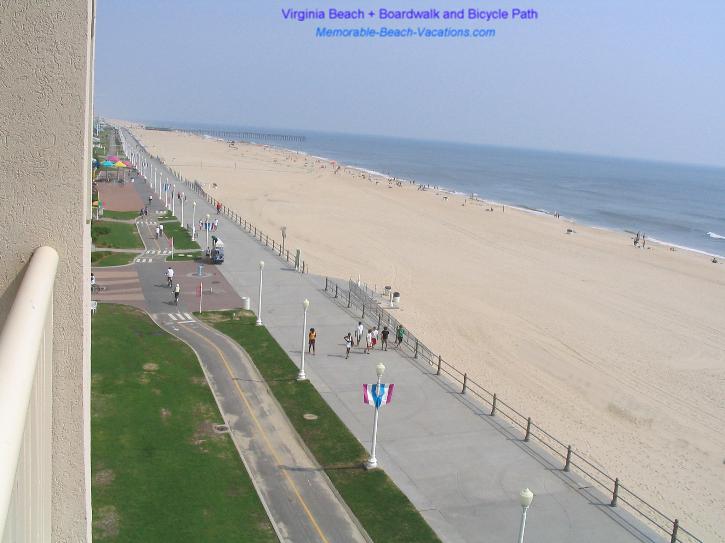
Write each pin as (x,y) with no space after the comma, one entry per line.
(218,207)
(158,231)
(93,284)
(150,198)
(376,332)
(348,345)
(177,291)
(311,337)
(161,227)
(216,224)
(384,338)
(359,332)
(368,341)
(399,334)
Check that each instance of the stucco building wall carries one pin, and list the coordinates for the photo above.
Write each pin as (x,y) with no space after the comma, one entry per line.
(46,67)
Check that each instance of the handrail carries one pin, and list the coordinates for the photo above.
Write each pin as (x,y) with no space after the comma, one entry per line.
(21,339)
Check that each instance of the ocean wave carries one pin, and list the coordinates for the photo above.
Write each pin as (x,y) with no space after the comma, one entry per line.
(713,235)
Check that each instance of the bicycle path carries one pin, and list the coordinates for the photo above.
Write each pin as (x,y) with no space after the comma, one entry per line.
(298,496)
(462,469)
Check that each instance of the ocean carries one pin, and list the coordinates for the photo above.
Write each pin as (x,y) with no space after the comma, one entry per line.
(678,204)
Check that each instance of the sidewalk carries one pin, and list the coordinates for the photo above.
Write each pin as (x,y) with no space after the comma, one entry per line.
(296,493)
(460,467)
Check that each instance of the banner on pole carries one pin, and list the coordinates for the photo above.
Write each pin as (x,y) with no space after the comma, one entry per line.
(378,395)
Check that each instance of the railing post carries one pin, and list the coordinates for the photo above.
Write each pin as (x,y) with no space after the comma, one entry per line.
(567,466)
(363,311)
(438,371)
(349,298)
(675,528)
(335,291)
(465,383)
(273,244)
(493,405)
(266,240)
(378,320)
(415,354)
(325,284)
(615,493)
(255,231)
(528,429)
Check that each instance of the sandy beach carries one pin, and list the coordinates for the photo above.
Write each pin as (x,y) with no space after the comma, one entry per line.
(617,350)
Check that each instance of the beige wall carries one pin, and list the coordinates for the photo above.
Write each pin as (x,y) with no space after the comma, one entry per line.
(46,66)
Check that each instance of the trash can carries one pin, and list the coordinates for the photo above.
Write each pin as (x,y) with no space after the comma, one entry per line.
(245,303)
(200,270)
(396,299)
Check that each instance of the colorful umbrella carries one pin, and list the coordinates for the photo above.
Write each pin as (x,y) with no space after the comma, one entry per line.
(119,164)
(127,163)
(107,163)
(112,158)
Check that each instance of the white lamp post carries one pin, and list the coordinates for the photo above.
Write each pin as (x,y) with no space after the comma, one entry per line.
(182,210)
(206,227)
(301,375)
(193,218)
(525,499)
(173,199)
(259,311)
(372,462)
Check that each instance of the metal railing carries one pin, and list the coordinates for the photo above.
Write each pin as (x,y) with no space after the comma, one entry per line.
(26,347)
(363,302)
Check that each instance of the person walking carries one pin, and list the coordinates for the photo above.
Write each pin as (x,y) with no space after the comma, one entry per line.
(359,332)
(93,284)
(169,276)
(384,338)
(158,231)
(177,291)
(311,338)
(218,208)
(376,332)
(368,341)
(161,228)
(399,334)
(216,224)
(348,345)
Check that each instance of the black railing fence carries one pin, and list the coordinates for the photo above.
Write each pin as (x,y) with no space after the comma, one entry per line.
(366,303)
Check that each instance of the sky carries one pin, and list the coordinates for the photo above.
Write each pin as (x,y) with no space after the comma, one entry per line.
(628,78)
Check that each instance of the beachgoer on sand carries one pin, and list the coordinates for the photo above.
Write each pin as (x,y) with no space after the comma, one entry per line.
(348,345)
(311,339)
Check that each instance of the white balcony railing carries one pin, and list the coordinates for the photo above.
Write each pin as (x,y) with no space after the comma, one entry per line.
(26,354)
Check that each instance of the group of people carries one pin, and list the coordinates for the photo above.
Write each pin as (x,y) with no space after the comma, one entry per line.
(159,231)
(209,225)
(371,338)
(170,283)
(641,239)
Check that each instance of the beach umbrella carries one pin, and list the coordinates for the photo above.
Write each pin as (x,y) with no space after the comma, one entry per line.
(119,164)
(107,163)
(112,158)
(127,163)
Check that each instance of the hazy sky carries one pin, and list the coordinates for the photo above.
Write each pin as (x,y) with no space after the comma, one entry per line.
(631,78)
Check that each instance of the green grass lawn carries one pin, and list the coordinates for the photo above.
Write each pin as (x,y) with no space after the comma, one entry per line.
(182,238)
(117,235)
(123,215)
(107,258)
(159,471)
(374,499)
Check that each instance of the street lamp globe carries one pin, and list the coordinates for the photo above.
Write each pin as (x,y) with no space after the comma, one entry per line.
(526,497)
(261,264)
(306,304)
(380,369)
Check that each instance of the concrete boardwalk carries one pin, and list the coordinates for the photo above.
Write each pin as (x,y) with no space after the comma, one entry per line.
(299,498)
(460,467)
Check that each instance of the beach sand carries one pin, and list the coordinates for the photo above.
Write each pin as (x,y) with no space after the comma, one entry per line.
(617,350)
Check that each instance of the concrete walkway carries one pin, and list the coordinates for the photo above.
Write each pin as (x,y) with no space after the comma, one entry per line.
(299,498)
(460,467)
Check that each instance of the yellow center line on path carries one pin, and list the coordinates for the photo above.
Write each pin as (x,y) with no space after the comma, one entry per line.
(264,434)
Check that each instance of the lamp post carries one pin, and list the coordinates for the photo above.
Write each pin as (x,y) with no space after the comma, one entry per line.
(301,375)
(259,310)
(372,462)
(525,499)
(173,199)
(182,210)
(284,237)
(206,227)
(193,218)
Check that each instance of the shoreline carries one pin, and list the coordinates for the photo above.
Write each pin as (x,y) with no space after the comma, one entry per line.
(456,192)
(615,350)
